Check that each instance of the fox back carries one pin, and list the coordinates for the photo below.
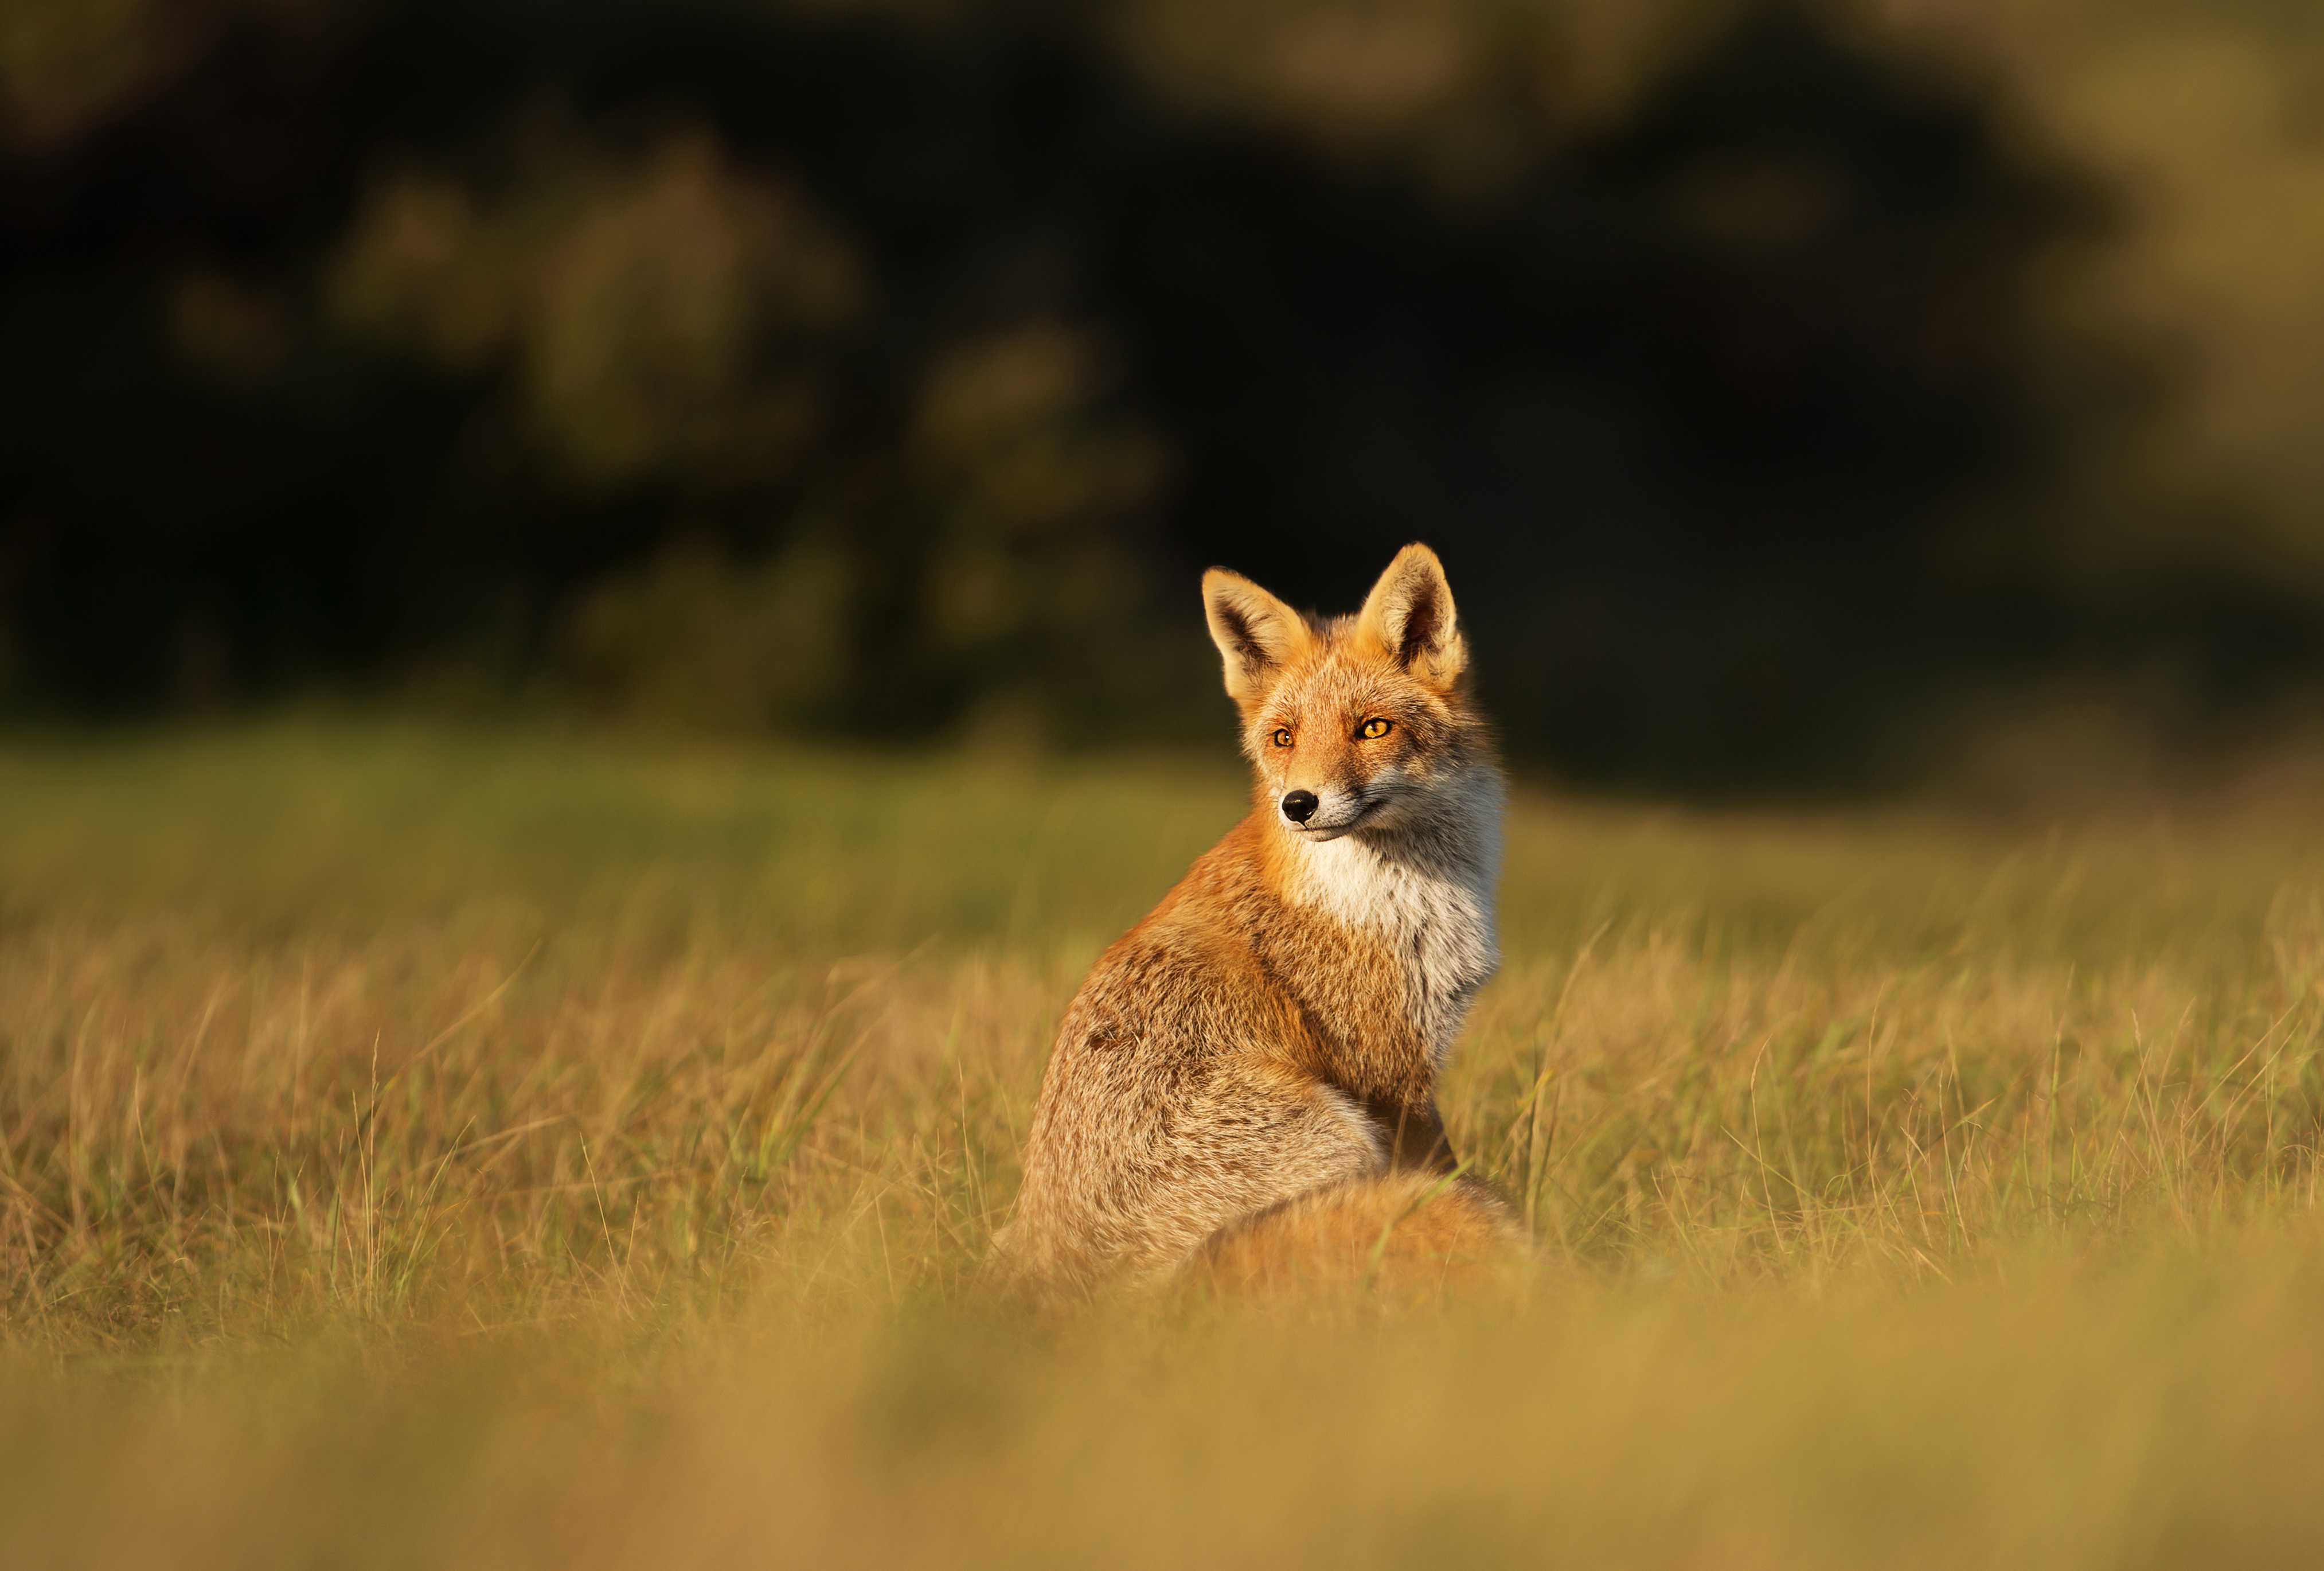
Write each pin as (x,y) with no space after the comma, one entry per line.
(1273,1031)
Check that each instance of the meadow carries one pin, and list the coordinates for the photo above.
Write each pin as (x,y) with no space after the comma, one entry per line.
(432,1147)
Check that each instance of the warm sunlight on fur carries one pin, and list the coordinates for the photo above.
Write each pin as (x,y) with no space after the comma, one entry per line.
(1410,1239)
(1276,1025)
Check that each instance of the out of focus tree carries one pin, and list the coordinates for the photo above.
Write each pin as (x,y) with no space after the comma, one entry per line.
(2201,119)
(1771,375)
(652,316)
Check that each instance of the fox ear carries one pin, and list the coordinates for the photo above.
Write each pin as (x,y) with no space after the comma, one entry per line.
(1410,612)
(1255,632)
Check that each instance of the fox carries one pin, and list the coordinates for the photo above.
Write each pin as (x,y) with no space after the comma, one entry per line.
(1243,1089)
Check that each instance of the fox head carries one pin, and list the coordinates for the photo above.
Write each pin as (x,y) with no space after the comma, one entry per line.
(1358,723)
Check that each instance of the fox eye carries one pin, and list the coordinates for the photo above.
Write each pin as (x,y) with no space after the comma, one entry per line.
(1373,729)
(1282,738)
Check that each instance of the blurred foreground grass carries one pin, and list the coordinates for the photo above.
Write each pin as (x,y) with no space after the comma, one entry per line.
(529,1151)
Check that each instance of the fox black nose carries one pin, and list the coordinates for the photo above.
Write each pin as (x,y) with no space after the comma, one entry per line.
(1299,805)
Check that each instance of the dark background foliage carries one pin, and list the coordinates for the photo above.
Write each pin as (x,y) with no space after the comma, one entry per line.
(749,365)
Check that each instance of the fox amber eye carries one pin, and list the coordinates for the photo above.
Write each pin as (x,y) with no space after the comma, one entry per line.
(1373,729)
(1282,738)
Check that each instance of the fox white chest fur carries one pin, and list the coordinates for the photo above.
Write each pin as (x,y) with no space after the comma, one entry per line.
(1425,891)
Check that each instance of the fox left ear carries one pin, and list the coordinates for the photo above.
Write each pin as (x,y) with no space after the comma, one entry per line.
(1410,612)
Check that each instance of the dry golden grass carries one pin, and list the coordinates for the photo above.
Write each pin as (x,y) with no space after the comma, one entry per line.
(525,1152)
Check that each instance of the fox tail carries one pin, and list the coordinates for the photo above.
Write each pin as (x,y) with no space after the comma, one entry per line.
(1408,1236)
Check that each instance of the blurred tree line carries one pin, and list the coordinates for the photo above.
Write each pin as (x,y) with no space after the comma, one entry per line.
(1772,376)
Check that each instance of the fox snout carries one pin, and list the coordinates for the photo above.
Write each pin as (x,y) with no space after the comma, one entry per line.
(1331,810)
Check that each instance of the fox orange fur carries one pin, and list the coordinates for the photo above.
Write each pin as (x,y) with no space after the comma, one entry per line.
(1247,1079)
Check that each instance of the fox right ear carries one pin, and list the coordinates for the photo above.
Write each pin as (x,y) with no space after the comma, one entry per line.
(1255,632)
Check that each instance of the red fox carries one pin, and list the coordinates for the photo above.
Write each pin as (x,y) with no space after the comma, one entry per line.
(1245,1085)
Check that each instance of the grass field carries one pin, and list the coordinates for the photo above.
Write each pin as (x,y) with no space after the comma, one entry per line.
(507,1153)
